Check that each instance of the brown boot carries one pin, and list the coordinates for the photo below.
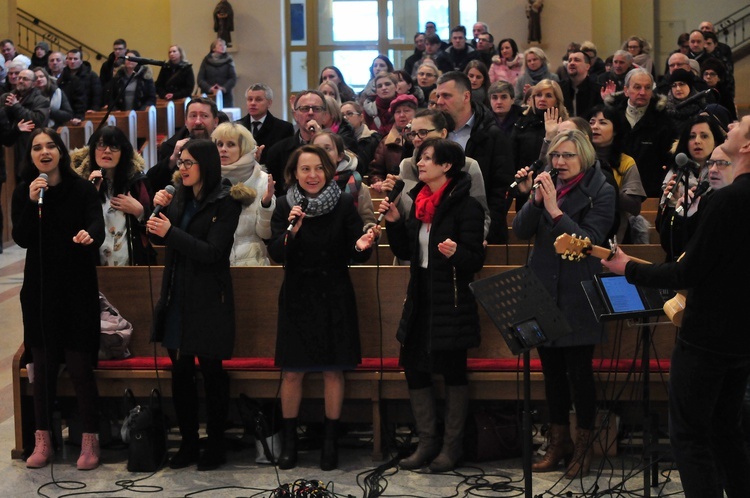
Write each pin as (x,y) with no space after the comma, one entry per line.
(423,407)
(456,410)
(581,463)
(560,448)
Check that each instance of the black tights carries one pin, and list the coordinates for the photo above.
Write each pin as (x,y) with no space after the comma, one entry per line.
(564,368)
(81,372)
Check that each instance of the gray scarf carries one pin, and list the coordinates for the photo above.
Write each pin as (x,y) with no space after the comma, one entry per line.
(324,203)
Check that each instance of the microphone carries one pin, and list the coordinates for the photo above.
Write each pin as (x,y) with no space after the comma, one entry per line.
(311,129)
(681,160)
(699,191)
(142,60)
(41,191)
(552,174)
(534,168)
(692,99)
(159,207)
(392,195)
(303,205)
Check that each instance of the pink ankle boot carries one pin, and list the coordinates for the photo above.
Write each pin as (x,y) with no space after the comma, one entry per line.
(89,458)
(42,451)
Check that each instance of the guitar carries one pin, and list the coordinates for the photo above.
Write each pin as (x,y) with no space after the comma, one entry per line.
(575,248)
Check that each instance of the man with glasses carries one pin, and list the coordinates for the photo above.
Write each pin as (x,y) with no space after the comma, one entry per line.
(486,48)
(266,128)
(113,62)
(676,61)
(309,114)
(201,118)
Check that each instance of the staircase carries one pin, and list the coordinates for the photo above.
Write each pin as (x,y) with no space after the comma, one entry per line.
(734,30)
(32,30)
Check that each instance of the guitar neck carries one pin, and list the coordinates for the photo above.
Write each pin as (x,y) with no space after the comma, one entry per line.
(603,253)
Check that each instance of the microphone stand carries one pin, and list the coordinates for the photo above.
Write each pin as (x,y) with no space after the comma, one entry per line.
(685,199)
(116,96)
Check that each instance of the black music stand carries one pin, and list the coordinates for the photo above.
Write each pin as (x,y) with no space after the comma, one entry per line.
(526,316)
(622,307)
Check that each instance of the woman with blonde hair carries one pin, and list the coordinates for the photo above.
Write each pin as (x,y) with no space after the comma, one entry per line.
(176,79)
(252,187)
(640,49)
(536,69)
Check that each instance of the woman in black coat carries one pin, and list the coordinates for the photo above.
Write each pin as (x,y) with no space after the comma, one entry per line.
(176,79)
(140,91)
(195,314)
(318,329)
(443,238)
(60,295)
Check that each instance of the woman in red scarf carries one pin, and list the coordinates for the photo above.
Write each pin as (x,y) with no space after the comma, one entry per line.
(442,238)
(581,202)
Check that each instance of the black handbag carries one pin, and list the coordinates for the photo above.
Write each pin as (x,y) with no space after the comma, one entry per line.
(145,431)
(492,435)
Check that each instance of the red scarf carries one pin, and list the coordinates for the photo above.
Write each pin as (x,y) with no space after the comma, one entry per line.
(427,202)
(564,188)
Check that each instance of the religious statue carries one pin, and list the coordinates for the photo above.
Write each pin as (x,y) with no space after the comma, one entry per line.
(534,14)
(224,21)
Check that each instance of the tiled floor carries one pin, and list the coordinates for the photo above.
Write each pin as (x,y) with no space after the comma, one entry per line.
(242,477)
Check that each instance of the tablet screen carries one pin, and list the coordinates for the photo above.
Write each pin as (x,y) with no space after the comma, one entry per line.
(622,295)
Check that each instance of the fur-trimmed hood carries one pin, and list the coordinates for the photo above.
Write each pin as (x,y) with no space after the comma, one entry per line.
(619,99)
(79,160)
(239,192)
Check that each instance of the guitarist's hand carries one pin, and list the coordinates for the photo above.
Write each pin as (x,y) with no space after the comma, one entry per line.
(617,263)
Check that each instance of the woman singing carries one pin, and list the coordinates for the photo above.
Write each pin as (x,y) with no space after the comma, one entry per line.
(195,314)
(318,329)
(60,295)
(442,238)
(580,202)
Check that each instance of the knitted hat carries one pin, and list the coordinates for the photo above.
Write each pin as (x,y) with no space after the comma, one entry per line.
(683,76)
(404,99)
(42,44)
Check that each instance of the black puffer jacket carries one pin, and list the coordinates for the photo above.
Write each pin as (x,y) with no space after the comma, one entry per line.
(454,322)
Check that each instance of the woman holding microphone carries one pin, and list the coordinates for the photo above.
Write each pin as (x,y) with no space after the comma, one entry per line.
(195,314)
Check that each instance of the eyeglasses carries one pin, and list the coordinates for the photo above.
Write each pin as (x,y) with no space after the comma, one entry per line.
(313,108)
(103,147)
(565,155)
(709,74)
(633,47)
(422,133)
(719,163)
(352,113)
(185,163)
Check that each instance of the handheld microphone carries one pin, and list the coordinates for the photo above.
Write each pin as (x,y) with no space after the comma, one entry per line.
(143,60)
(311,129)
(302,205)
(692,99)
(552,174)
(699,191)
(159,207)
(533,168)
(41,191)
(681,160)
(392,195)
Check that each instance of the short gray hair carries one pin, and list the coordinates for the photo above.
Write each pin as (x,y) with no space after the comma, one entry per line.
(255,87)
(625,54)
(638,71)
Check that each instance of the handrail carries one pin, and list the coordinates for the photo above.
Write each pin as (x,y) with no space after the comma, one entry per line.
(735,28)
(32,30)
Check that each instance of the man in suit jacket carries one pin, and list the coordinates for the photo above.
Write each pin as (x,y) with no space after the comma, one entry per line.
(269,129)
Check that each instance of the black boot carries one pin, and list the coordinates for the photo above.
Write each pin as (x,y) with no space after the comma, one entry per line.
(423,408)
(187,454)
(288,457)
(329,454)
(213,456)
(217,409)
(185,399)
(456,410)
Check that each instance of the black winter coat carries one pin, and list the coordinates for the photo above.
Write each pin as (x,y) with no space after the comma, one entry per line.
(454,322)
(318,324)
(178,80)
(201,254)
(273,130)
(145,91)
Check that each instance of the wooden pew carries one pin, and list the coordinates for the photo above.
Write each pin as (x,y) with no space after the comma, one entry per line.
(146,134)
(127,121)
(76,136)
(165,118)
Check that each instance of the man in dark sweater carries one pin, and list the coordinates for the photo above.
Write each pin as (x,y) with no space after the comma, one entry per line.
(711,359)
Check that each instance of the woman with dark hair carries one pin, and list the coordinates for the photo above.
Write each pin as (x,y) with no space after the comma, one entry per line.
(140,91)
(176,79)
(318,329)
(195,313)
(406,86)
(507,66)
(60,293)
(333,74)
(714,73)
(380,64)
(377,113)
(60,111)
(698,139)
(110,163)
(217,72)
(579,202)
(681,88)
(442,237)
(608,132)
(480,82)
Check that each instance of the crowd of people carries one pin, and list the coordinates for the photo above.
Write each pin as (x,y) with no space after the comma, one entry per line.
(586,143)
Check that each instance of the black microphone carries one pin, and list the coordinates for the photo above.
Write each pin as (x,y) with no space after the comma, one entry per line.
(552,174)
(534,168)
(41,191)
(302,205)
(142,60)
(699,191)
(159,207)
(681,160)
(392,195)
(692,99)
